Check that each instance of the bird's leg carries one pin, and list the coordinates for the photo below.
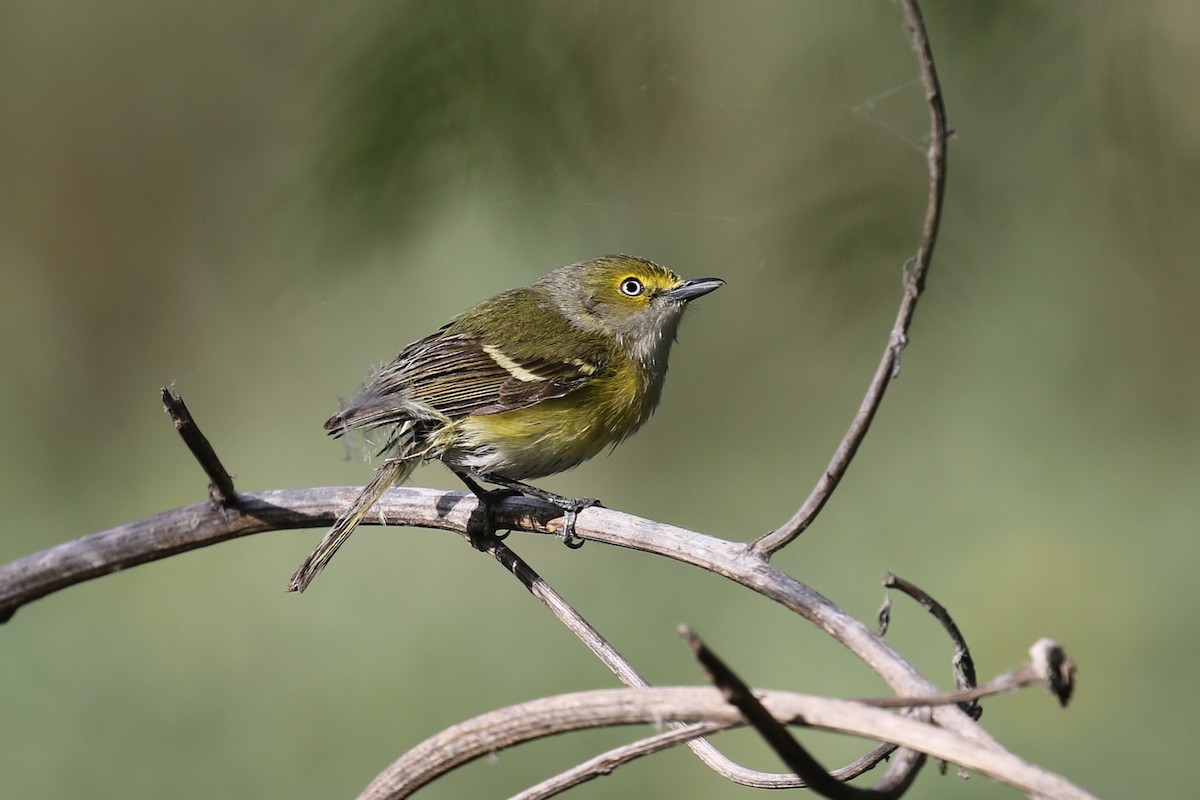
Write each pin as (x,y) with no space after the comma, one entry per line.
(571,506)
(487,500)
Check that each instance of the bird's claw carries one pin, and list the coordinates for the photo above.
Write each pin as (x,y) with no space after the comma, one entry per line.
(570,513)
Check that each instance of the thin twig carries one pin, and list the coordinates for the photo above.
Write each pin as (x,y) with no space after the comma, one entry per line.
(606,762)
(738,694)
(220,487)
(565,613)
(962,662)
(1048,666)
(889,366)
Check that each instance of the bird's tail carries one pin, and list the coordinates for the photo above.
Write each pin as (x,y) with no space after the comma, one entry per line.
(395,469)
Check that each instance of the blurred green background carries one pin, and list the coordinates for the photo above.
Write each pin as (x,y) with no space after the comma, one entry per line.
(258,201)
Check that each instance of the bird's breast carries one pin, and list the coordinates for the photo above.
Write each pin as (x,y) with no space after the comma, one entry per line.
(557,434)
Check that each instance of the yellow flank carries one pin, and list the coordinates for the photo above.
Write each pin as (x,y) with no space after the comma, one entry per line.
(557,434)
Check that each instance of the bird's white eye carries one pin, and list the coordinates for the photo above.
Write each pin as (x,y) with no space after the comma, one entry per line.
(632,287)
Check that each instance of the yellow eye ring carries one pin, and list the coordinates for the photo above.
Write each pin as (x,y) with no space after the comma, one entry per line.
(631,287)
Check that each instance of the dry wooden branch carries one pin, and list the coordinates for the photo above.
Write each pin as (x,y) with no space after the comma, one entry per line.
(535,719)
(603,764)
(200,525)
(680,733)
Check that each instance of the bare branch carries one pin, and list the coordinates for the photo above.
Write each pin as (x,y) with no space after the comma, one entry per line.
(962,662)
(198,525)
(914,284)
(201,525)
(605,763)
(535,719)
(220,487)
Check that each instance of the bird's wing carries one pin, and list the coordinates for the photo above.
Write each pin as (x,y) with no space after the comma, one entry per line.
(459,371)
(460,375)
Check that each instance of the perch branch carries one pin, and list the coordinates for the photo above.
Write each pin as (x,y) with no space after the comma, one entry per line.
(198,525)
(914,284)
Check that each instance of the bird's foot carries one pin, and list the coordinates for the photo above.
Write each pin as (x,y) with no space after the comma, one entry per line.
(571,508)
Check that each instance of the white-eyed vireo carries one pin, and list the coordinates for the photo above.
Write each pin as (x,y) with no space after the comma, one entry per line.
(528,383)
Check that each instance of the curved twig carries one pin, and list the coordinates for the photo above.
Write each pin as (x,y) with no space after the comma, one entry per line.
(962,662)
(914,284)
(603,764)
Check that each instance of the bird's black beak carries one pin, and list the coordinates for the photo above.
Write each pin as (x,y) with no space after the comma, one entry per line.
(697,287)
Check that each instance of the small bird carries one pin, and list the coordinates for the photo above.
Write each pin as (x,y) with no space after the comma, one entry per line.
(525,384)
